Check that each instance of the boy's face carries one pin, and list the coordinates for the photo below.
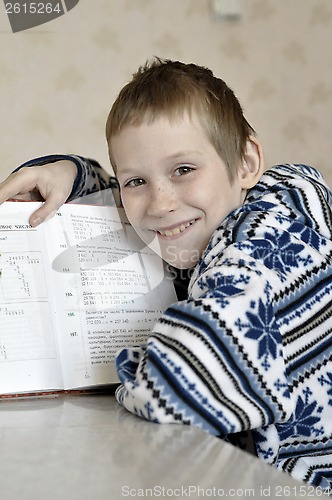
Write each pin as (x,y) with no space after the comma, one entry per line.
(174,186)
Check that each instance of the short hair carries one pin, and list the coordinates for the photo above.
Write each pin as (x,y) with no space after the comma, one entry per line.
(170,89)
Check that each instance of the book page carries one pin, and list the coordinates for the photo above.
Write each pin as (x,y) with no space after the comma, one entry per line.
(29,357)
(110,289)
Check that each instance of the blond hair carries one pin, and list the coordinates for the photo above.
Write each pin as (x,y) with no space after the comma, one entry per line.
(171,89)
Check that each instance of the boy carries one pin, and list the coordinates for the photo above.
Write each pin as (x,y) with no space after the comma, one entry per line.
(249,349)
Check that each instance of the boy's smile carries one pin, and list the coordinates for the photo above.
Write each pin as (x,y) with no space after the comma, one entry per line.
(175,186)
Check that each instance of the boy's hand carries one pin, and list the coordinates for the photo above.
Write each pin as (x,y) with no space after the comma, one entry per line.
(52,182)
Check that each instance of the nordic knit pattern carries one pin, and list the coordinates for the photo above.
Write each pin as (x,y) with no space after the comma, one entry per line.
(251,348)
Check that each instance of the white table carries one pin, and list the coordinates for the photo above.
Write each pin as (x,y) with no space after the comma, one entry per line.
(88,447)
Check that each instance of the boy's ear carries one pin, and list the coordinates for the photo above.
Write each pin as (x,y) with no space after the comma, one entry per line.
(252,164)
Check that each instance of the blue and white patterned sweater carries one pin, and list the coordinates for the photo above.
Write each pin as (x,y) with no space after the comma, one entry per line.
(251,348)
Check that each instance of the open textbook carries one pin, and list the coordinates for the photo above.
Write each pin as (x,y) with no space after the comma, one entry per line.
(73,291)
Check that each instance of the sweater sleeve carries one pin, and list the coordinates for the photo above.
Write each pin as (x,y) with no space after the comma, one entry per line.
(216,361)
(91,177)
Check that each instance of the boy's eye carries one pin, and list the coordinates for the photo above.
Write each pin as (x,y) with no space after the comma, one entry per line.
(134,183)
(183,170)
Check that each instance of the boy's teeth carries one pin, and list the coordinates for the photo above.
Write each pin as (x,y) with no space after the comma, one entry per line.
(176,230)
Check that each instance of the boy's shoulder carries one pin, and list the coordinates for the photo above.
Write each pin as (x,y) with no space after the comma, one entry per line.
(279,180)
(290,203)
(294,170)
(286,192)
(288,172)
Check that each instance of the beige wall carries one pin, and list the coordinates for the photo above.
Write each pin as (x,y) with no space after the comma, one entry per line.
(58,80)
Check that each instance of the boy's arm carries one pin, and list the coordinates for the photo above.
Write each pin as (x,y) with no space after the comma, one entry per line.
(215,362)
(90,176)
(56,179)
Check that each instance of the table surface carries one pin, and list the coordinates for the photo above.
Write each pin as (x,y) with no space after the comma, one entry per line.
(88,447)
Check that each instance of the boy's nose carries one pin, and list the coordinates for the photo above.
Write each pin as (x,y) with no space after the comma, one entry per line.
(162,200)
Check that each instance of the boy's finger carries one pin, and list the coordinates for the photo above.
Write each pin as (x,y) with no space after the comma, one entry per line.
(45,212)
(14,185)
(8,191)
